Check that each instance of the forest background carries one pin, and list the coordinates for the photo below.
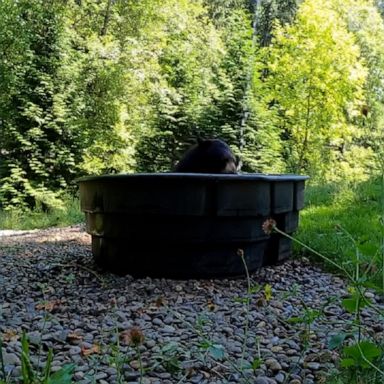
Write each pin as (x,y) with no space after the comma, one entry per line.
(108,86)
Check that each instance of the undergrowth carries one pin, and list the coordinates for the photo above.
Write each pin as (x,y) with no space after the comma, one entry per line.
(341,217)
(39,218)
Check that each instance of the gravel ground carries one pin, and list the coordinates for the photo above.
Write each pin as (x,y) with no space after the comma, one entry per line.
(193,329)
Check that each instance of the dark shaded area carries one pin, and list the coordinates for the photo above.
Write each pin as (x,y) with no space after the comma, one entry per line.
(208,156)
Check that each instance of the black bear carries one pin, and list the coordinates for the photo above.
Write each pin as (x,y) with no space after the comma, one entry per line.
(208,156)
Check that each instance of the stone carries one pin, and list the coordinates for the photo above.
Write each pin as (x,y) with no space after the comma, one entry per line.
(261,380)
(313,366)
(273,365)
(280,378)
(10,358)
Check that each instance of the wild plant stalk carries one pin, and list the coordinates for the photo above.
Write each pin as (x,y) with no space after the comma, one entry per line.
(382,230)
(140,364)
(40,350)
(135,337)
(117,351)
(356,280)
(119,358)
(340,267)
(182,378)
(48,367)
(26,370)
(246,324)
(2,366)
(377,369)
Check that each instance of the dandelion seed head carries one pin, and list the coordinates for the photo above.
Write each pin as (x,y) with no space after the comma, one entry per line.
(268,226)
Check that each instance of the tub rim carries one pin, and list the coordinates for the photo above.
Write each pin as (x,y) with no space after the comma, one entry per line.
(197,176)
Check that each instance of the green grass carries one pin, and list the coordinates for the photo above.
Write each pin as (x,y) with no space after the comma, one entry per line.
(40,219)
(341,219)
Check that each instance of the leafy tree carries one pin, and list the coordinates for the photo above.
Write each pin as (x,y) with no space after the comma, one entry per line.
(37,102)
(99,86)
(380,6)
(188,53)
(268,12)
(220,10)
(229,109)
(365,22)
(204,87)
(314,85)
(116,69)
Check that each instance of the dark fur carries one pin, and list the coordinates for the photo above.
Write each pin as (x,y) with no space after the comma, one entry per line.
(208,156)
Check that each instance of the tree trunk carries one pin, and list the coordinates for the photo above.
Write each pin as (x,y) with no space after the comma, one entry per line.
(106,18)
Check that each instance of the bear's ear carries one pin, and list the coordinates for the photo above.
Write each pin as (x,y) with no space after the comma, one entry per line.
(204,143)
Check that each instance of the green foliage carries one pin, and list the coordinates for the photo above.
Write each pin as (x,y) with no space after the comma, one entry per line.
(334,214)
(354,303)
(269,12)
(361,362)
(169,357)
(314,81)
(39,145)
(202,84)
(360,354)
(365,22)
(31,376)
(361,350)
(69,214)
(90,87)
(116,68)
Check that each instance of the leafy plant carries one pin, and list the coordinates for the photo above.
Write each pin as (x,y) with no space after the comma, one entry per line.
(30,375)
(169,357)
(361,354)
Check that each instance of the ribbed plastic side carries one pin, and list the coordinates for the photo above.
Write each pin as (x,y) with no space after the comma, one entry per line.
(189,225)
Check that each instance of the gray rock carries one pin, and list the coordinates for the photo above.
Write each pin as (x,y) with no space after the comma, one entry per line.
(75,350)
(101,375)
(280,378)
(34,337)
(10,358)
(313,366)
(168,329)
(273,365)
(261,380)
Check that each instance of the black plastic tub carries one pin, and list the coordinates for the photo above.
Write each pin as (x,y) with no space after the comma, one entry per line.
(189,225)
